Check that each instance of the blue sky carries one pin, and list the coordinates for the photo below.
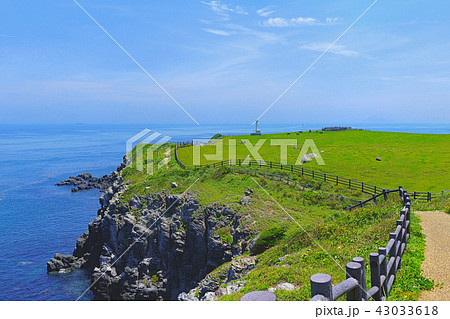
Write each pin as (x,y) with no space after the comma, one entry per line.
(224,61)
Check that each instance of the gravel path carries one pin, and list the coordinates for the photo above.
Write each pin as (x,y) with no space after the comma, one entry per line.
(436,266)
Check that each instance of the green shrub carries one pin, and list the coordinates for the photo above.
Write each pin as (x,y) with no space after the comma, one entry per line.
(225,235)
(267,239)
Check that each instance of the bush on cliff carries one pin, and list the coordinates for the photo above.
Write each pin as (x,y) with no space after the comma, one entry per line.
(267,239)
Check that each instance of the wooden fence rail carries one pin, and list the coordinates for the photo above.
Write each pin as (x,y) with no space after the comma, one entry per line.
(383,267)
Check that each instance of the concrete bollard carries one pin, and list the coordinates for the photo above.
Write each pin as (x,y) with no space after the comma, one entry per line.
(383,269)
(321,285)
(353,270)
(361,261)
(259,296)
(375,274)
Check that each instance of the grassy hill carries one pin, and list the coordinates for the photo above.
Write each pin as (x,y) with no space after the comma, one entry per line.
(341,233)
(418,162)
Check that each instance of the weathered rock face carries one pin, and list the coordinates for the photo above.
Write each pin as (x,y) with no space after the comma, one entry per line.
(153,247)
(224,281)
(85,181)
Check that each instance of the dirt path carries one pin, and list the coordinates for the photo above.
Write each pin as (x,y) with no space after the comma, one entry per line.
(436,266)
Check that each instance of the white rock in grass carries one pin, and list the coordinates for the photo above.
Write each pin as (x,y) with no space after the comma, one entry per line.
(285,286)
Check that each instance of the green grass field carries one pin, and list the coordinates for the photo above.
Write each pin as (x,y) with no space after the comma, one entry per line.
(418,162)
(341,233)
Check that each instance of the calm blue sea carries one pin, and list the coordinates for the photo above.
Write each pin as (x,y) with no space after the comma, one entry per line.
(38,219)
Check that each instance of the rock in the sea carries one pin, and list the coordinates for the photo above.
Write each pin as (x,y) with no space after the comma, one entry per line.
(85,181)
(60,263)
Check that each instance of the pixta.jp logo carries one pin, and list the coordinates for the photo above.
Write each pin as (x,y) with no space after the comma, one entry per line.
(148,143)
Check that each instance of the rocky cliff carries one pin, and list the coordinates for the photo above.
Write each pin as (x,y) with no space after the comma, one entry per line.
(153,247)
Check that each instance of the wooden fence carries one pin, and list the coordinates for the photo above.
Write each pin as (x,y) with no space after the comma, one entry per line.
(384,264)
(383,267)
(365,188)
(287,180)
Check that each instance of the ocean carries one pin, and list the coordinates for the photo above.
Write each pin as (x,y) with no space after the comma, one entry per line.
(38,219)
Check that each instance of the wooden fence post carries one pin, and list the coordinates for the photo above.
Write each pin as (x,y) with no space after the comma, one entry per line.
(361,261)
(375,274)
(383,269)
(321,285)
(400,240)
(353,270)
(385,194)
(393,255)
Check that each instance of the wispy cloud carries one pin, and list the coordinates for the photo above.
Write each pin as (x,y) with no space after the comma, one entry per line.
(425,79)
(300,21)
(266,36)
(224,9)
(336,49)
(218,32)
(267,11)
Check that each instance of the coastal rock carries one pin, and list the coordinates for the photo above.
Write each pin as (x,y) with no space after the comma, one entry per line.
(285,286)
(85,181)
(245,200)
(186,297)
(161,256)
(64,262)
(226,281)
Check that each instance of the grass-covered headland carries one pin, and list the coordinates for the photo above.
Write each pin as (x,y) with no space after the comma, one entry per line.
(285,252)
(418,162)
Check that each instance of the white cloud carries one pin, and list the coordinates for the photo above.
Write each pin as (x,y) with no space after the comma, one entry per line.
(300,21)
(224,9)
(336,49)
(218,32)
(266,36)
(267,11)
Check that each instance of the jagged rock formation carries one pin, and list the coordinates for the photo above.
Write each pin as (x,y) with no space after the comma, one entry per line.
(155,246)
(85,181)
(224,281)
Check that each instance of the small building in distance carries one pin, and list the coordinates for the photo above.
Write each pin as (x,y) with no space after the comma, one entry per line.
(338,128)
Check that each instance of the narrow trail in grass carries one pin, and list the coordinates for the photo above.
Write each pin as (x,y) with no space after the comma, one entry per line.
(436,227)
